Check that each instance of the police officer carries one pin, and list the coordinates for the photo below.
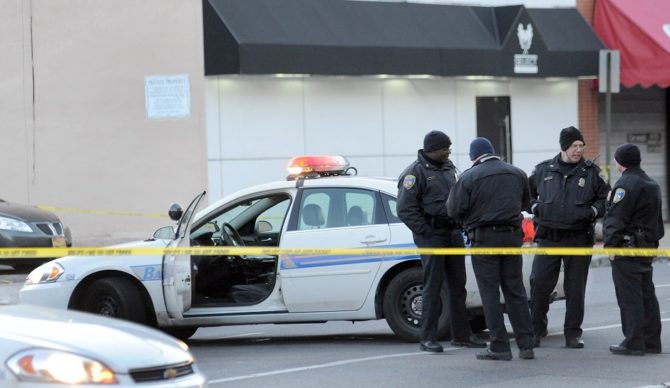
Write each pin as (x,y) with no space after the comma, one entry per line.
(567,194)
(489,198)
(634,219)
(423,189)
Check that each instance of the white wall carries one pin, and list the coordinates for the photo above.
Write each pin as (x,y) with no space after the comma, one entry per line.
(255,124)
(540,109)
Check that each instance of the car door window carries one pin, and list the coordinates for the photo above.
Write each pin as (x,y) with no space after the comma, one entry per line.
(390,204)
(335,208)
(247,217)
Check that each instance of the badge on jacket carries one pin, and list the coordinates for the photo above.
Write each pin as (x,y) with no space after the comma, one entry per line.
(618,195)
(581,182)
(409,181)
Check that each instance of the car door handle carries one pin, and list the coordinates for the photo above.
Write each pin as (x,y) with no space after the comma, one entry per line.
(373,240)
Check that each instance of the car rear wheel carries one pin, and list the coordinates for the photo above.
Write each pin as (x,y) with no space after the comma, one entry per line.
(402,306)
(181,332)
(115,297)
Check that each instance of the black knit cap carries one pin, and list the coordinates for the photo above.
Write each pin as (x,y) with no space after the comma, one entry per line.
(628,155)
(436,140)
(568,136)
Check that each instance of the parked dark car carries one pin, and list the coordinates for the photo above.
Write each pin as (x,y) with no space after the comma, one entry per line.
(23,226)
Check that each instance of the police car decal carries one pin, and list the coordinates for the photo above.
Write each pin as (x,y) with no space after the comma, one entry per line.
(618,195)
(304,261)
(147,272)
(409,181)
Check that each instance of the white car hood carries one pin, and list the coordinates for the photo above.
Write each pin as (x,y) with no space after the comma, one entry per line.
(119,344)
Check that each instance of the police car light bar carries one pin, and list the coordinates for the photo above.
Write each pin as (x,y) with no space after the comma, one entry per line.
(313,166)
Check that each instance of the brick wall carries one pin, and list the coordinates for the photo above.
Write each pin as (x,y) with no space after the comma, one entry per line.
(588,96)
(588,118)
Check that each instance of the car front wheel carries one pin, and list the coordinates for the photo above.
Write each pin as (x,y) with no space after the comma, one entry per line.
(115,297)
(403,305)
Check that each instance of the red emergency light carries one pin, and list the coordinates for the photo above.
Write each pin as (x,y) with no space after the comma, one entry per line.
(312,166)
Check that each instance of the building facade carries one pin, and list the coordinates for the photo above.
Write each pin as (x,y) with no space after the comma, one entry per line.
(111,111)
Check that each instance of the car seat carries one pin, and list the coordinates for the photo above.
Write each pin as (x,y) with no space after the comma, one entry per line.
(312,216)
(356,216)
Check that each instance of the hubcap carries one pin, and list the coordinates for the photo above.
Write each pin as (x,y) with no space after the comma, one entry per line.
(107,306)
(411,304)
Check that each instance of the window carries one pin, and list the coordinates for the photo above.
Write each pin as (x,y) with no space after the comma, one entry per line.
(390,204)
(335,208)
(251,217)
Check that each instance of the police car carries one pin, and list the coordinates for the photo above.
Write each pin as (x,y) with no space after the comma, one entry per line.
(335,209)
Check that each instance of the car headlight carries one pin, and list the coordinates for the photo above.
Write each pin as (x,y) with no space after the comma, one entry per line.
(15,225)
(59,367)
(46,273)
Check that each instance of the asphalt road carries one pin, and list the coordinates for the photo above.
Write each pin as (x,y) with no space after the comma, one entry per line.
(342,354)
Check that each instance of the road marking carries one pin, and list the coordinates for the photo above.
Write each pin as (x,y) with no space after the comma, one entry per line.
(320,366)
(366,359)
(663,385)
(662,285)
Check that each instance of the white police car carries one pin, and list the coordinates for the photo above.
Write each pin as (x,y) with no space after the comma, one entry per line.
(181,293)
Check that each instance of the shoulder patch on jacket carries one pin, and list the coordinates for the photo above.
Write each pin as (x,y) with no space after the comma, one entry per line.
(409,181)
(618,195)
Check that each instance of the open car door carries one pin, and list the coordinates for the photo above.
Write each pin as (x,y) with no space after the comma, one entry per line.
(177,268)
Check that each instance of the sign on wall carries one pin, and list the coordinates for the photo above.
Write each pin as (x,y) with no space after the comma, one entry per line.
(167,96)
(525,63)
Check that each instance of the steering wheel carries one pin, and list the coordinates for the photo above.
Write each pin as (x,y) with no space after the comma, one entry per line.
(231,236)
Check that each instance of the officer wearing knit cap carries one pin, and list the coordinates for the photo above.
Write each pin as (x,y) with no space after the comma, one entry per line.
(494,220)
(436,140)
(568,136)
(634,220)
(568,193)
(423,189)
(628,155)
(480,146)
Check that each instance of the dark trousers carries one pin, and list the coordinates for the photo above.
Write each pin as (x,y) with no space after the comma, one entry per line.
(544,277)
(438,269)
(496,272)
(640,315)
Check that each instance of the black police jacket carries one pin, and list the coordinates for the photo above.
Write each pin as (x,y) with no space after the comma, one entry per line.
(491,192)
(570,202)
(423,189)
(634,215)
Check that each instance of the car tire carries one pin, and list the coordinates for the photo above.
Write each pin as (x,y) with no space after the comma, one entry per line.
(181,332)
(115,297)
(402,306)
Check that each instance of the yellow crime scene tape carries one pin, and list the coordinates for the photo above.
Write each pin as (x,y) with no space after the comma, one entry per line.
(273,251)
(100,212)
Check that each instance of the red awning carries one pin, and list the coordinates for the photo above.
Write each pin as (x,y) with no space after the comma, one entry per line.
(640,30)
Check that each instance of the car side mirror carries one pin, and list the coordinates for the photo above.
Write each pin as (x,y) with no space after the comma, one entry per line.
(164,233)
(263,227)
(175,212)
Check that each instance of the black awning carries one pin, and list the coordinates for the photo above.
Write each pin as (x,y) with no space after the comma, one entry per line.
(341,37)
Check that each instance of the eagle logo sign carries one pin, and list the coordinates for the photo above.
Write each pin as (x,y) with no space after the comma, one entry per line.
(525,36)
